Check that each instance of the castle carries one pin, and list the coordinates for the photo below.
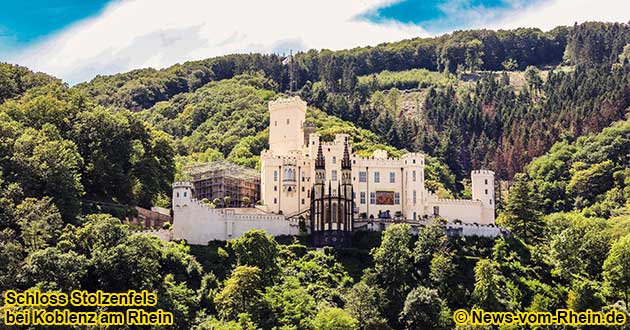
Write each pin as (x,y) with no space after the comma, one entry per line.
(332,190)
(381,185)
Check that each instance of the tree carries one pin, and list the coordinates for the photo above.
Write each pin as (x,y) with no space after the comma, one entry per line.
(474,55)
(392,267)
(334,319)
(364,303)
(40,223)
(290,305)
(242,293)
(256,248)
(52,269)
(227,200)
(488,293)
(532,76)
(424,309)
(522,216)
(617,269)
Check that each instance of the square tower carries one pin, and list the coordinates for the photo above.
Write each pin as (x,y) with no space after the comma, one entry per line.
(286,120)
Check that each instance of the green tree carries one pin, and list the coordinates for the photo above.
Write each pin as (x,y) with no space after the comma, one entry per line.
(488,293)
(242,293)
(617,269)
(424,309)
(256,248)
(334,319)
(40,223)
(364,303)
(522,216)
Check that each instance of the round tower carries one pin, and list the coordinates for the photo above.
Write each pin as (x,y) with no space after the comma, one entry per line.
(483,190)
(182,194)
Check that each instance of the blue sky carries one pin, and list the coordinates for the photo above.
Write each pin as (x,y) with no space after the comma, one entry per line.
(23,23)
(79,39)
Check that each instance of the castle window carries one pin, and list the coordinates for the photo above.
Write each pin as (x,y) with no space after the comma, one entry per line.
(377,177)
(275,188)
(414,197)
(486,181)
(275,201)
(486,191)
(413,176)
(289,174)
(392,177)
(490,202)
(372,198)
(178,195)
(287,121)
(362,197)
(397,198)
(362,176)
(275,175)
(334,160)
(302,201)
(302,188)
(413,161)
(185,194)
(275,123)
(415,215)
(334,175)
(436,210)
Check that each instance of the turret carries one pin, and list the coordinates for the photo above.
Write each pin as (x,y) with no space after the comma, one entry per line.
(182,194)
(320,172)
(346,171)
(286,120)
(483,190)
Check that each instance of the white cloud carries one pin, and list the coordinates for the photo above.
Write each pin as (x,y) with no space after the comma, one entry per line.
(132,34)
(157,33)
(552,13)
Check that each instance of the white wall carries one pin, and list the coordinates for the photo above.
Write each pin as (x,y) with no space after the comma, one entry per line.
(198,224)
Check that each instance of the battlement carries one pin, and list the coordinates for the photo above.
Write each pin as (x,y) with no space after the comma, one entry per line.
(182,184)
(287,102)
(482,172)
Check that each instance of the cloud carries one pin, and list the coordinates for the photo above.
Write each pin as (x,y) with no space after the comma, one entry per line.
(134,34)
(131,34)
(549,14)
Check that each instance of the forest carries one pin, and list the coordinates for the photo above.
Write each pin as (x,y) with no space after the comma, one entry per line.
(549,112)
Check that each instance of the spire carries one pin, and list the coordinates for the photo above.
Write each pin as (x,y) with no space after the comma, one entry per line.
(345,162)
(320,162)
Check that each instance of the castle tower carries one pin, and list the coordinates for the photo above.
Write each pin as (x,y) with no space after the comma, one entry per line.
(483,190)
(286,120)
(182,194)
(320,172)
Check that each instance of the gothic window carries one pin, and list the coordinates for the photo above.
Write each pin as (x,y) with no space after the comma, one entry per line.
(362,176)
(414,197)
(275,175)
(362,197)
(372,198)
(413,176)
(436,210)
(486,191)
(185,194)
(397,198)
(334,175)
(275,201)
(392,177)
(334,160)
(486,181)
(289,174)
(377,177)
(177,194)
(275,188)
(302,188)
(302,201)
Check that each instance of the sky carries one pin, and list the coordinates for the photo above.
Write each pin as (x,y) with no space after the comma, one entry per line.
(78,39)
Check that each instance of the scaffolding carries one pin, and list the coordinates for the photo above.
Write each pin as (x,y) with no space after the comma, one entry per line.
(221,178)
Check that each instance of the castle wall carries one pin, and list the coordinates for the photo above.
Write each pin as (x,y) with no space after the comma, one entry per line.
(199,224)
